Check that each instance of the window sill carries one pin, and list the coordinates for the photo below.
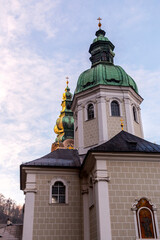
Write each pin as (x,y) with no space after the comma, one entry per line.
(59,204)
(89,119)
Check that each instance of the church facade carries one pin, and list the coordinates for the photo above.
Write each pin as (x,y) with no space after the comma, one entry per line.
(101,180)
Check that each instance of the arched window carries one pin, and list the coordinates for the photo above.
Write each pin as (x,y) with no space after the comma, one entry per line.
(58,192)
(104,56)
(145,219)
(115,108)
(90,111)
(134,114)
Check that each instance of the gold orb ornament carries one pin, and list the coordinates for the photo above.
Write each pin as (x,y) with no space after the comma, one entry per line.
(99,24)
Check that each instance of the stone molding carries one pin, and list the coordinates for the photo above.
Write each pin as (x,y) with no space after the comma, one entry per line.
(30,190)
(134,208)
(106,89)
(98,179)
(84,191)
(101,99)
(146,157)
(80,107)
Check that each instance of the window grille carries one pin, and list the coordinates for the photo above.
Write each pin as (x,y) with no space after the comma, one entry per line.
(58,192)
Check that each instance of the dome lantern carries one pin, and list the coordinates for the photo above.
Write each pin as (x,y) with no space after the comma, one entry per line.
(101,49)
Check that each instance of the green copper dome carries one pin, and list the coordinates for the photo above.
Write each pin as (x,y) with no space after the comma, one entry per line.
(103,71)
(105,74)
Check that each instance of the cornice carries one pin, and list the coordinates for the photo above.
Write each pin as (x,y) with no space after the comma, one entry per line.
(115,89)
(127,156)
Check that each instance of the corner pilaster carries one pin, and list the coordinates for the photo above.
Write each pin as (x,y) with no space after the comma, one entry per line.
(101,180)
(140,121)
(30,192)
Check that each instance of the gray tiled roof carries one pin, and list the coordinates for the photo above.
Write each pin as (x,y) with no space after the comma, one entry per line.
(126,142)
(58,158)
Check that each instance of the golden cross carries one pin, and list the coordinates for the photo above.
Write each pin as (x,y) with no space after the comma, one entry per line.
(67,80)
(122,123)
(99,24)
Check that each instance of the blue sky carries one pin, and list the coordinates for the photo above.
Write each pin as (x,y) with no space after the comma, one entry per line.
(42,42)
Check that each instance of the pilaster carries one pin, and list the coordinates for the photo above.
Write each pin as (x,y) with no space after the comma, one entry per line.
(86,225)
(129,115)
(102,119)
(80,129)
(140,122)
(29,206)
(101,180)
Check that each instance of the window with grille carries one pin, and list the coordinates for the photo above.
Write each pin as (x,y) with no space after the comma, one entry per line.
(115,108)
(90,111)
(58,192)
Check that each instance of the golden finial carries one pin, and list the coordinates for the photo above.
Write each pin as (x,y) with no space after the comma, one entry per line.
(122,123)
(99,24)
(67,81)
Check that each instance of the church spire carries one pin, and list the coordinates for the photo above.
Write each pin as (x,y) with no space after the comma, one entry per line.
(64,127)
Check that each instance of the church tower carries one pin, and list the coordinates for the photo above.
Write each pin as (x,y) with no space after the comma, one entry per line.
(107,186)
(105,95)
(64,127)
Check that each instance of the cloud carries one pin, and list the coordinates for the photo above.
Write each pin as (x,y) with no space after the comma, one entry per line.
(149,88)
(19,18)
(30,86)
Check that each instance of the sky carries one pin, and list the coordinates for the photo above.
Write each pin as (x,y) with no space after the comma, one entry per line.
(42,42)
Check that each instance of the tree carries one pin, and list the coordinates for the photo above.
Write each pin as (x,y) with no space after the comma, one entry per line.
(9,209)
